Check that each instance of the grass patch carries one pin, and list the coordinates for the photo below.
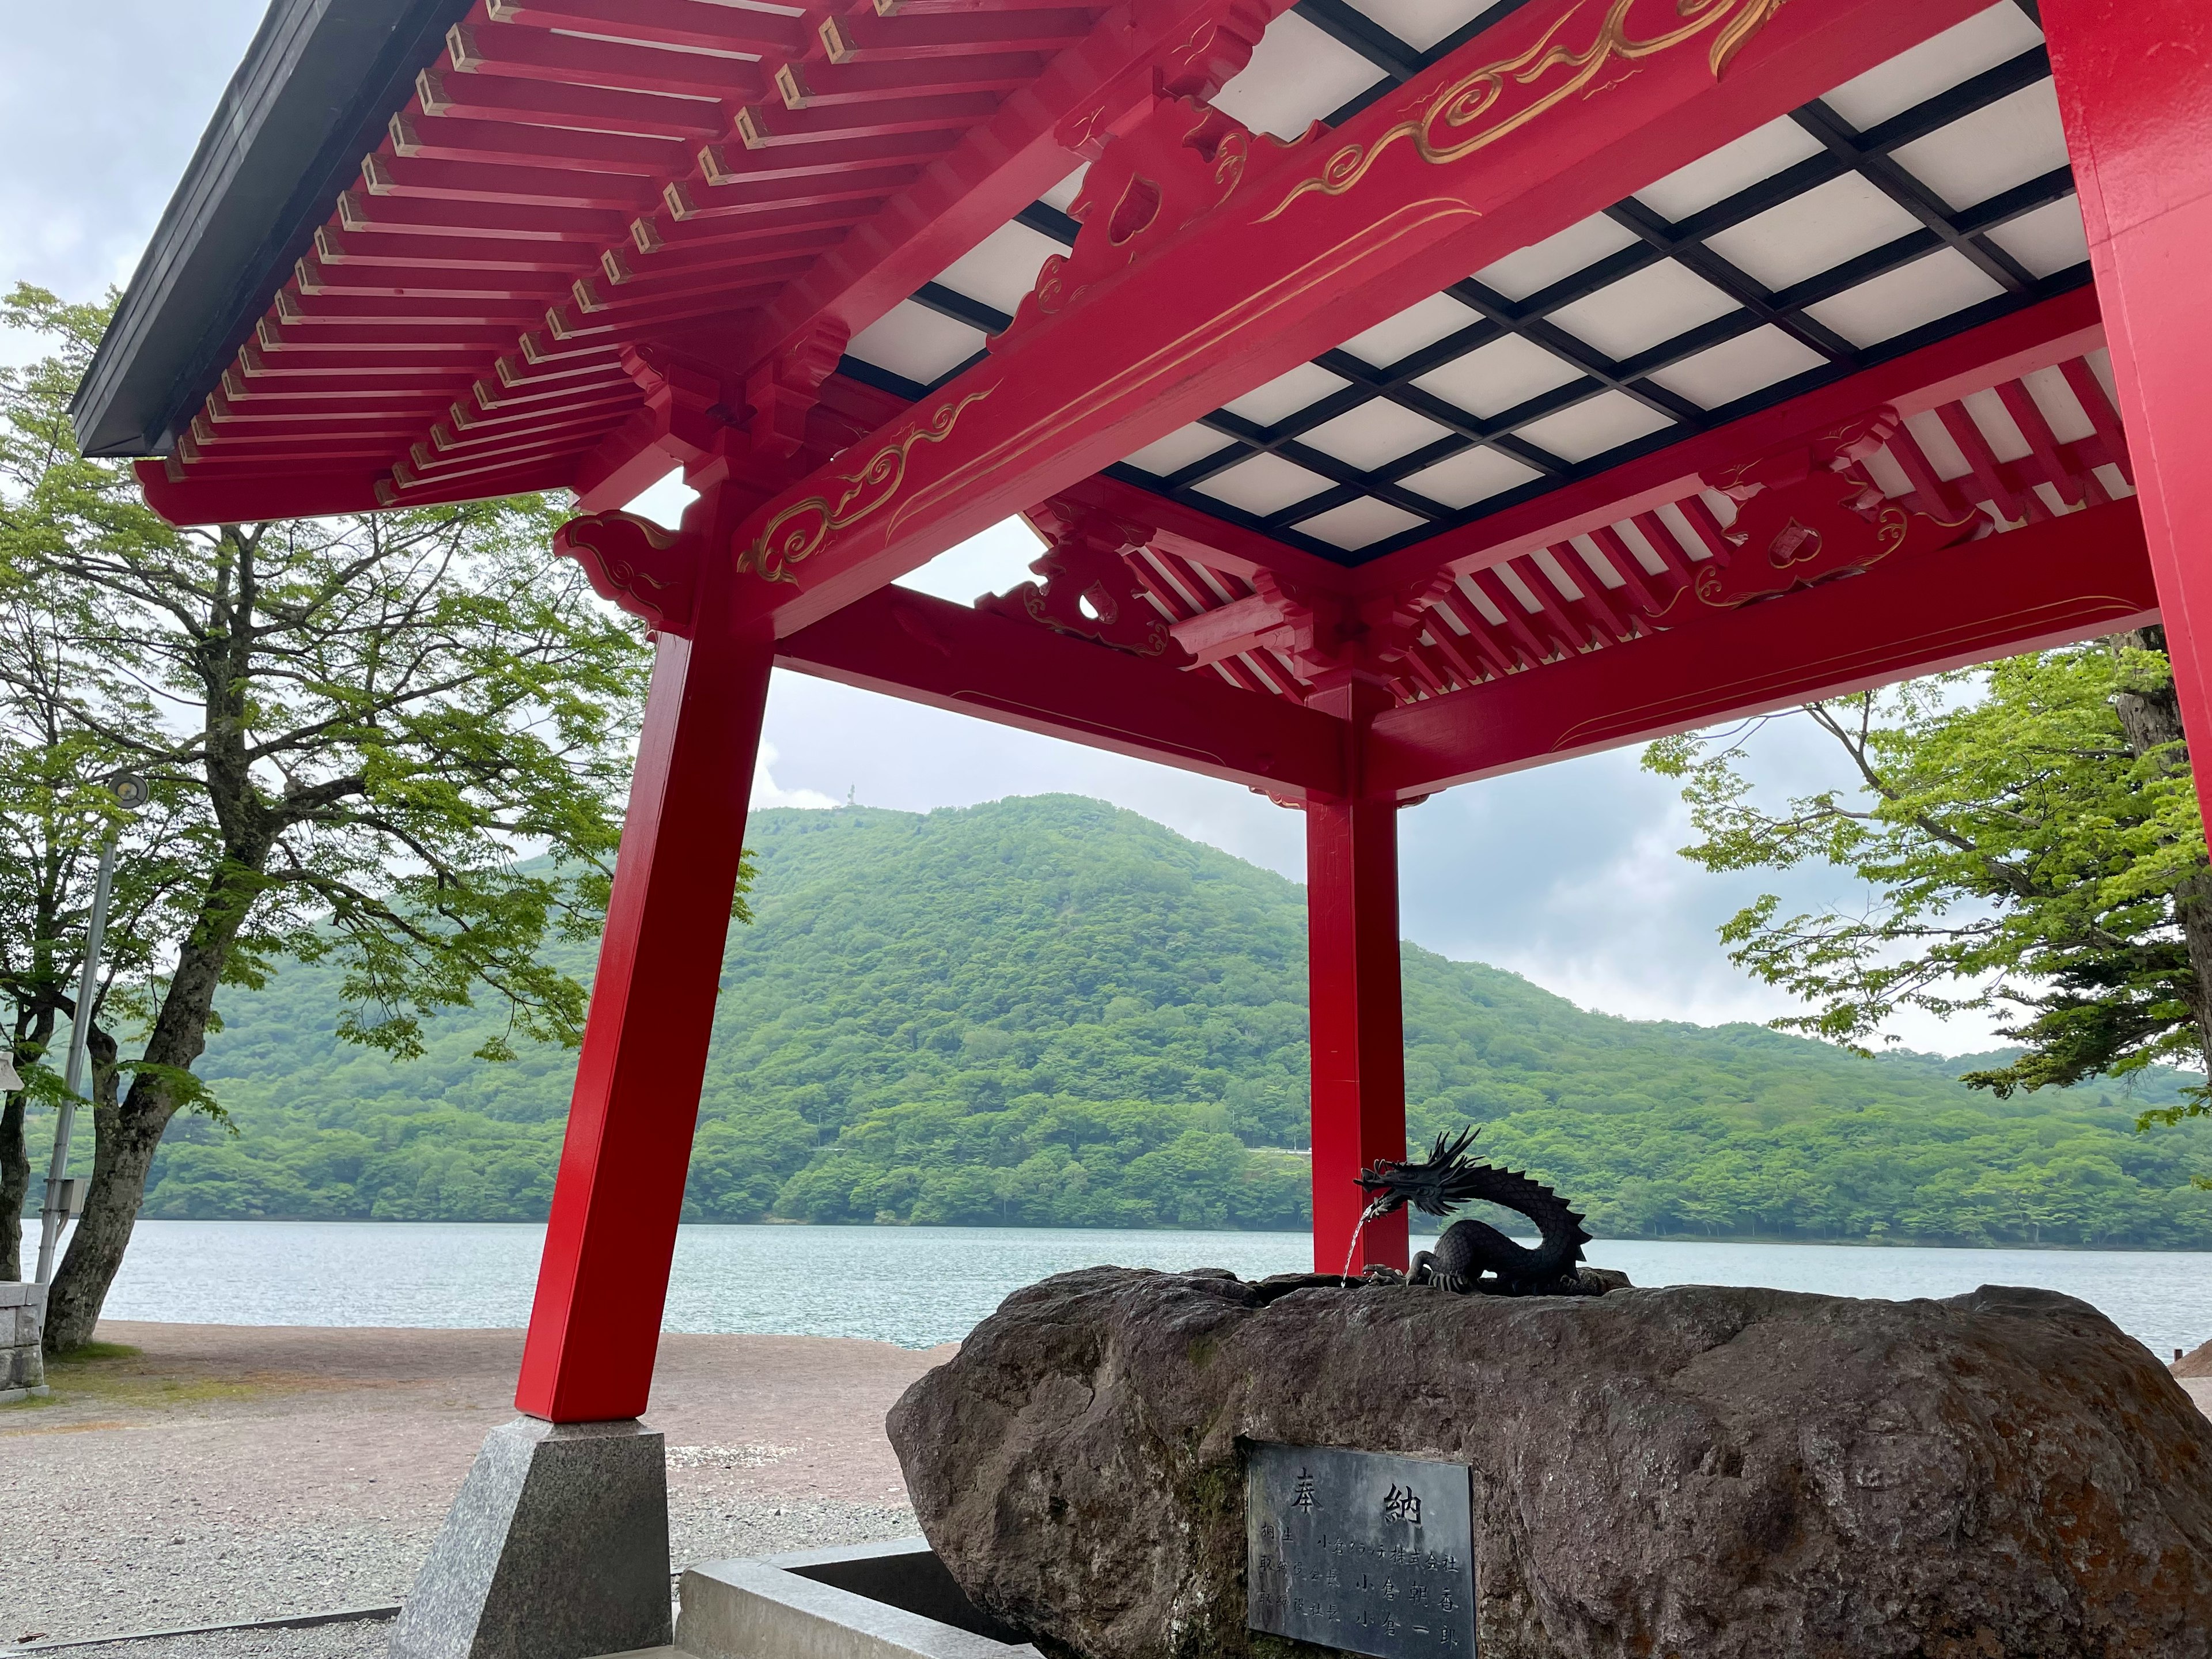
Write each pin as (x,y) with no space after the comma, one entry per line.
(90,1353)
(117,1373)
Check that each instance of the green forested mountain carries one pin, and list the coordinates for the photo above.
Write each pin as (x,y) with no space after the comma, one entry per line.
(1050,1011)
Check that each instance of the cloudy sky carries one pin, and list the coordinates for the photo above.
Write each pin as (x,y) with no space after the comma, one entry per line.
(1567,874)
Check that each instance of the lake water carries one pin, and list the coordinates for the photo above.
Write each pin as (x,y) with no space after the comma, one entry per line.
(918,1286)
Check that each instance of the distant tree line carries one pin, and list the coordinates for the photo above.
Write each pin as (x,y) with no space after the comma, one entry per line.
(1048,1012)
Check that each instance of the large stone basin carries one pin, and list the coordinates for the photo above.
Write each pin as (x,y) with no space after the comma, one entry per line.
(1716,1473)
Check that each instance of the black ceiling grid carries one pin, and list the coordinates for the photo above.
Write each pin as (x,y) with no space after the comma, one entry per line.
(1491,316)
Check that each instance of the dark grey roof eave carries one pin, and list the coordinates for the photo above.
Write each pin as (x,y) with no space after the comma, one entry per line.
(312,96)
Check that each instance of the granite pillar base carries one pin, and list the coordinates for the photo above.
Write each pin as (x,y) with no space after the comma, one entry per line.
(556,1548)
(22,1357)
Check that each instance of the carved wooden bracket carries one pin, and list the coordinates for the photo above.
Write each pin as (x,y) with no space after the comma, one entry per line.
(1321,635)
(1212,54)
(1808,512)
(1179,160)
(1089,590)
(693,411)
(683,400)
(632,562)
(780,392)
(1391,624)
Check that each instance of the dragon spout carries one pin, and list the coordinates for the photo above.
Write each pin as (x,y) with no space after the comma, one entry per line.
(1468,1250)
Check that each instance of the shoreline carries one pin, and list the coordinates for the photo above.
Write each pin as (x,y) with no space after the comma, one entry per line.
(780,1224)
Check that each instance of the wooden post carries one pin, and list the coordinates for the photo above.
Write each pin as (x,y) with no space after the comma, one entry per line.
(2135,90)
(596,1323)
(1357,1018)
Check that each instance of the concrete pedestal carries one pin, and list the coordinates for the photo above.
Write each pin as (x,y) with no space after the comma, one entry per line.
(22,1330)
(890,1600)
(556,1548)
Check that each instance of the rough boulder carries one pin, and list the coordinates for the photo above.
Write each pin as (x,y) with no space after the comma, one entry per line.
(1713,1473)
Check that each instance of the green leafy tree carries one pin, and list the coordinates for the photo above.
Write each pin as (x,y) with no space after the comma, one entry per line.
(365,723)
(54,813)
(2030,836)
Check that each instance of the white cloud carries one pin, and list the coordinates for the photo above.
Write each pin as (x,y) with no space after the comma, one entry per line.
(766,793)
(103,155)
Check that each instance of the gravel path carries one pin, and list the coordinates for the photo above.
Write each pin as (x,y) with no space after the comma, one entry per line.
(229,1473)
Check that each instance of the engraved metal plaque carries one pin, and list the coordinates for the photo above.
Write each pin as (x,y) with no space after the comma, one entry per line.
(1358,1551)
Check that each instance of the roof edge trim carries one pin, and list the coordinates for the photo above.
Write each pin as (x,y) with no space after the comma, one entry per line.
(310,98)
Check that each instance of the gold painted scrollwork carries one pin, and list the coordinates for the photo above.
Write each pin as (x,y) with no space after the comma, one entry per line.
(796,533)
(1479,109)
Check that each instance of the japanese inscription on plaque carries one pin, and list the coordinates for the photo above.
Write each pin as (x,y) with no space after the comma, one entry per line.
(1358,1551)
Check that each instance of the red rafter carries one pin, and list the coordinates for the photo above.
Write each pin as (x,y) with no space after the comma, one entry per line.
(2065,579)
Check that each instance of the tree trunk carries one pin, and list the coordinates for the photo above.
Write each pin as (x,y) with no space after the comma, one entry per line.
(104,1230)
(15,1184)
(30,1044)
(128,1132)
(2151,718)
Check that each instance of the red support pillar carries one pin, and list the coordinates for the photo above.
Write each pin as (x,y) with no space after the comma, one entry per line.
(1356,1015)
(2135,89)
(596,1322)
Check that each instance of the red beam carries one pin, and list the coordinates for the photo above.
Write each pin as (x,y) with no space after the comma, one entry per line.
(863,38)
(285,492)
(596,1320)
(1179,530)
(930,651)
(642,123)
(539,54)
(1314,243)
(324,342)
(763,126)
(695,201)
(358,210)
(669,244)
(2066,579)
(320,362)
(499,185)
(691,23)
(439,281)
(507,140)
(1355,1012)
(809,85)
(2135,90)
(377,250)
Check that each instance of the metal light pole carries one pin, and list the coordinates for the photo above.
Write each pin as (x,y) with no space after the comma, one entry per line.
(61,1202)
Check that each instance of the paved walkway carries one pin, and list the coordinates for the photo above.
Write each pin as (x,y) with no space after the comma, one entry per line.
(228,1473)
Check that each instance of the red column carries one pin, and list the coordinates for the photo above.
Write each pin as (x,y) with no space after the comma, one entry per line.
(2135,90)
(1357,1020)
(596,1322)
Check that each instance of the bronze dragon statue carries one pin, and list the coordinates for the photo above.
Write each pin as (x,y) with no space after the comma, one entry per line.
(1472,1255)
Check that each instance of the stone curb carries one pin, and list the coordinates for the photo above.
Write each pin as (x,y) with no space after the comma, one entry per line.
(293,1621)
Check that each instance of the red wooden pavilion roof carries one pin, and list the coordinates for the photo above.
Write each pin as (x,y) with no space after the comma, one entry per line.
(1546,362)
